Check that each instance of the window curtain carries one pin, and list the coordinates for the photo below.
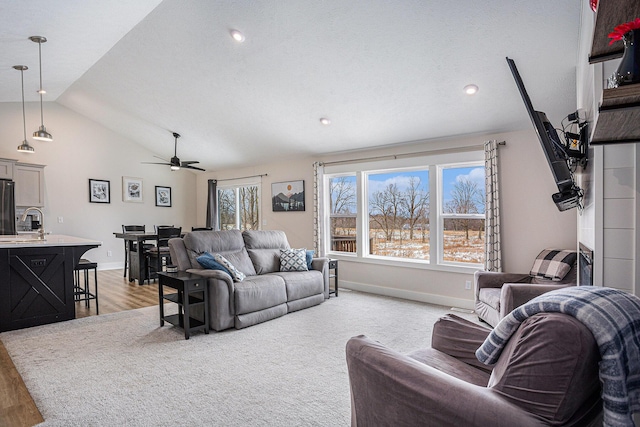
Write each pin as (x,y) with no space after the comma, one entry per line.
(317,223)
(212,205)
(493,251)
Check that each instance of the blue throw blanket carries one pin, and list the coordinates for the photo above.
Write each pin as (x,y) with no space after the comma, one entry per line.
(613,317)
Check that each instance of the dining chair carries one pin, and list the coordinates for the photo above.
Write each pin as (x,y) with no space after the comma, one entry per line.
(159,255)
(130,229)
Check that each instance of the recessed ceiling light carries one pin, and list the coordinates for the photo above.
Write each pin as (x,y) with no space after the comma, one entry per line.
(237,36)
(470,89)
(325,121)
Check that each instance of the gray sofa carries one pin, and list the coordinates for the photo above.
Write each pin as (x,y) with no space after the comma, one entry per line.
(266,292)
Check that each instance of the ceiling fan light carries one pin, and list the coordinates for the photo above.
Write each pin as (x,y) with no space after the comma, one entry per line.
(175,168)
(42,135)
(26,148)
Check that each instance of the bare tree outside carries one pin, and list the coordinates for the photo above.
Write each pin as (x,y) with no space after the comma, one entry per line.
(227,208)
(416,206)
(249,203)
(245,212)
(385,209)
(342,202)
(466,198)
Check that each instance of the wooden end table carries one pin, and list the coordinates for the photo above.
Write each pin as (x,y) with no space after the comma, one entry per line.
(191,291)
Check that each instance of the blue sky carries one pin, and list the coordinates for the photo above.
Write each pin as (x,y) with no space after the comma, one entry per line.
(378,182)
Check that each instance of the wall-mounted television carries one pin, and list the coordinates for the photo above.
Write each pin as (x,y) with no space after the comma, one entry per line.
(568,195)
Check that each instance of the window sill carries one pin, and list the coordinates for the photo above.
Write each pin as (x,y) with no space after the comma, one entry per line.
(421,265)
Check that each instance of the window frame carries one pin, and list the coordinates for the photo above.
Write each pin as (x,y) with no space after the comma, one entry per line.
(432,163)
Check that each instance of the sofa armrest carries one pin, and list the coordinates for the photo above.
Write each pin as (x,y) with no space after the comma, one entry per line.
(391,389)
(513,295)
(459,338)
(493,279)
(221,297)
(321,264)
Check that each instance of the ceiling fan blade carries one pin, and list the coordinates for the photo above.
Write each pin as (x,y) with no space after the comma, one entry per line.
(161,158)
(190,162)
(156,163)
(193,167)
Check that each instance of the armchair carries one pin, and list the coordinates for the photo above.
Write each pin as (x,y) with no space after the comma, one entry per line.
(497,294)
(546,375)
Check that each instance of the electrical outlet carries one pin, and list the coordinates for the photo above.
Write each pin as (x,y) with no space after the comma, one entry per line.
(60,220)
(467,284)
(109,253)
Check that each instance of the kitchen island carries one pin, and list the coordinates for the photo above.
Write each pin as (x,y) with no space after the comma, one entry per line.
(36,279)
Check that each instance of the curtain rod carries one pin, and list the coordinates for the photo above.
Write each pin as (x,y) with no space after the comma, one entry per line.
(400,156)
(242,177)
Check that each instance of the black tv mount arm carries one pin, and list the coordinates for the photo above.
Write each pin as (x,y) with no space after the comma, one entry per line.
(577,144)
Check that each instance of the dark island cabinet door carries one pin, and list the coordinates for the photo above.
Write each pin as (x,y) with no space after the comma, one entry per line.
(36,286)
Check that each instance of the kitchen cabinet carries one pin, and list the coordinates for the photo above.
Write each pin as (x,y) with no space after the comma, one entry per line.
(29,181)
(6,168)
(37,280)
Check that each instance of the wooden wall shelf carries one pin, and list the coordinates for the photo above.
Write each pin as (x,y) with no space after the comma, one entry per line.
(610,14)
(619,116)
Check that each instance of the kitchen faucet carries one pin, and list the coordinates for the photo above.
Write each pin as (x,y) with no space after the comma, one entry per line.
(41,232)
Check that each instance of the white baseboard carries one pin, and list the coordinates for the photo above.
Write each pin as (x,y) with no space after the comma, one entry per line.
(110,265)
(410,295)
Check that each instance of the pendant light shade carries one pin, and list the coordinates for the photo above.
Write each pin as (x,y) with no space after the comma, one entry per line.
(24,147)
(41,134)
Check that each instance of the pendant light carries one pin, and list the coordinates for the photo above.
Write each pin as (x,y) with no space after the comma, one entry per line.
(41,134)
(24,147)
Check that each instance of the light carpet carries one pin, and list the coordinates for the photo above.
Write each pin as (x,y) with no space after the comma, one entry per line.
(123,369)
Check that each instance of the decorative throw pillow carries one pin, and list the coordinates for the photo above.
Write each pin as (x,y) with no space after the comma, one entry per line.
(293,260)
(309,254)
(553,264)
(237,275)
(206,260)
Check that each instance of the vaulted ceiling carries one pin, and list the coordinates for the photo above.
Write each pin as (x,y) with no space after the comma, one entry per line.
(383,72)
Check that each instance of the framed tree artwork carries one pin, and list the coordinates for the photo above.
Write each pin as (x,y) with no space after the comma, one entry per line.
(163,196)
(131,189)
(99,191)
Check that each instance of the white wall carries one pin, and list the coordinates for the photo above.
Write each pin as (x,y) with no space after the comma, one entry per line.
(83,149)
(530,221)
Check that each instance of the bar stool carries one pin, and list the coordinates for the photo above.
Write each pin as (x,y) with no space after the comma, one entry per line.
(82,293)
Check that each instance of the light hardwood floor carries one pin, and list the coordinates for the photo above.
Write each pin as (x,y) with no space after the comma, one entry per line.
(115,293)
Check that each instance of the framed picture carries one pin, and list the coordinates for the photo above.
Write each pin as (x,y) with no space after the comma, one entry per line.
(99,191)
(131,189)
(163,196)
(287,196)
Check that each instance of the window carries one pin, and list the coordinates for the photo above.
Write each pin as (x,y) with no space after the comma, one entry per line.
(342,213)
(427,210)
(239,207)
(399,214)
(462,214)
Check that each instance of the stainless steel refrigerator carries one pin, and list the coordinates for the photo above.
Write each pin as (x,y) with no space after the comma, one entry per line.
(7,207)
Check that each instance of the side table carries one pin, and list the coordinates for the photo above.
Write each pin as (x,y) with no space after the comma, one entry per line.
(333,265)
(191,291)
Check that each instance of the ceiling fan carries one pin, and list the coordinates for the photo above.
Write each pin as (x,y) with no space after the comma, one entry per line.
(175,162)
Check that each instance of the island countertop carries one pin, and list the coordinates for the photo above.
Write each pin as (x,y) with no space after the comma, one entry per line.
(51,240)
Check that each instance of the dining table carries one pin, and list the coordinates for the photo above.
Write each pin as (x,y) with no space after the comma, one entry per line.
(137,260)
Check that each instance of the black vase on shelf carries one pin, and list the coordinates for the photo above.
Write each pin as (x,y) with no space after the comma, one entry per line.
(628,71)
